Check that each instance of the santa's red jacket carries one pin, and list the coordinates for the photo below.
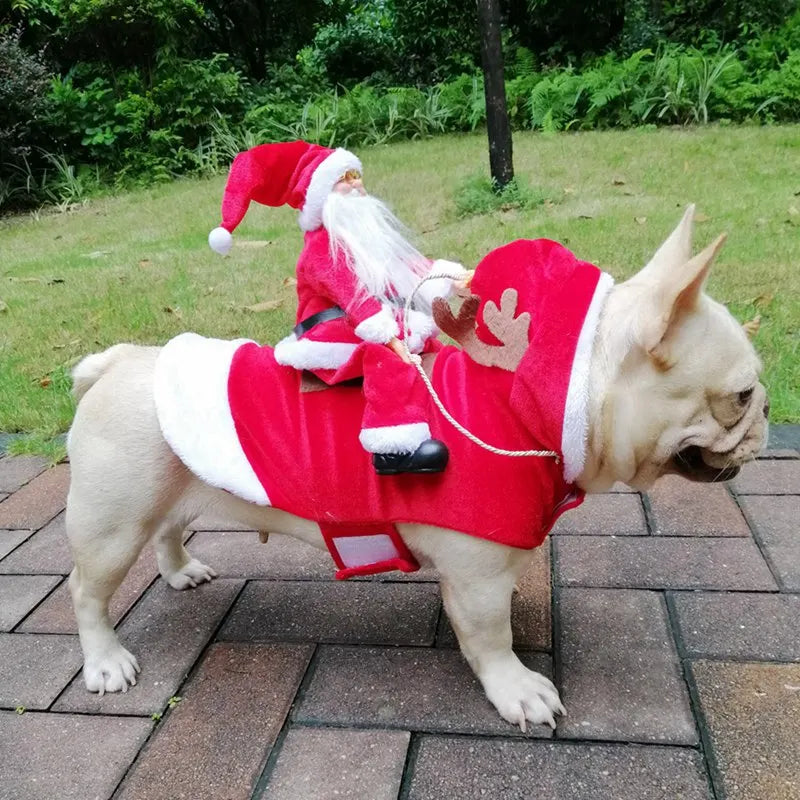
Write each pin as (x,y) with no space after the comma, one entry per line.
(239,421)
(324,281)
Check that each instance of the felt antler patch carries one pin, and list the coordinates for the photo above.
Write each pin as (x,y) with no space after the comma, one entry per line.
(509,329)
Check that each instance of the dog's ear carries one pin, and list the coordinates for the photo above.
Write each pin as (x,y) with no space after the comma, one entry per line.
(674,282)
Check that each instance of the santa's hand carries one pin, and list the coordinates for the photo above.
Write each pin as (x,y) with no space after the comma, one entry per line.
(464,284)
(400,349)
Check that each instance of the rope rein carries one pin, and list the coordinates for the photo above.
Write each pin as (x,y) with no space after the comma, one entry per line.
(417,362)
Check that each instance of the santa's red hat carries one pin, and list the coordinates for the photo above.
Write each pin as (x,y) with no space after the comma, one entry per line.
(297,173)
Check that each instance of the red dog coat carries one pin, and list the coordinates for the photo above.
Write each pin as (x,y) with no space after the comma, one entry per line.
(239,421)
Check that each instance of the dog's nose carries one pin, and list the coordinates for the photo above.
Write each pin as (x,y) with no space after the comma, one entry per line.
(766,407)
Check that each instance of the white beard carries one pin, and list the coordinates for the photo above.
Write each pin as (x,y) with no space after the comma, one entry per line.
(385,263)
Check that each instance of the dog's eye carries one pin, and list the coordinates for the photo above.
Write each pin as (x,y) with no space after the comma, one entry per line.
(745,395)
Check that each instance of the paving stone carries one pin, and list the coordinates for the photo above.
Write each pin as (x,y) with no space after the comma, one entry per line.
(216,740)
(66,756)
(605,515)
(38,501)
(240,554)
(479,769)
(751,711)
(349,612)
(18,470)
(56,614)
(775,523)
(682,508)
(45,553)
(768,477)
(661,563)
(621,675)
(779,453)
(11,539)
(320,764)
(34,669)
(760,627)
(530,608)
(166,632)
(421,689)
(19,594)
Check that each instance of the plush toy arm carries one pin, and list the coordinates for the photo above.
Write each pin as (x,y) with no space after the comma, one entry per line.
(440,287)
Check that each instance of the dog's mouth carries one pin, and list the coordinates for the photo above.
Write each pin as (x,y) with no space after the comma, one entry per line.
(689,462)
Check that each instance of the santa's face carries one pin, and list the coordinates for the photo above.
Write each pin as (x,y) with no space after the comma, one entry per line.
(373,240)
(350,184)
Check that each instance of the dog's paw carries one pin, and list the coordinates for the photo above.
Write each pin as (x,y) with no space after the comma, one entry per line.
(188,576)
(111,672)
(521,695)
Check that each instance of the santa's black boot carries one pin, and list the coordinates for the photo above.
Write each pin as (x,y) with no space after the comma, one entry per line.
(430,456)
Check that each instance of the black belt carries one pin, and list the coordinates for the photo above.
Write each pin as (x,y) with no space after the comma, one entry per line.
(315,319)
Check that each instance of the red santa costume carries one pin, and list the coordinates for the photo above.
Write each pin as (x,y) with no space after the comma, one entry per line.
(349,299)
(238,420)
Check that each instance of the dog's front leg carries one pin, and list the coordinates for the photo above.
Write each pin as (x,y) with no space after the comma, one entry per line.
(477,579)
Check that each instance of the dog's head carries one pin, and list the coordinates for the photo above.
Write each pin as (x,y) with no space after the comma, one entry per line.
(682,390)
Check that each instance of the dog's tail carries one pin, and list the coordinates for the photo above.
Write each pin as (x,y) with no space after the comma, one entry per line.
(90,369)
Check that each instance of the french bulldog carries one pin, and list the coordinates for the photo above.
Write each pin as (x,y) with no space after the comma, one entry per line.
(673,387)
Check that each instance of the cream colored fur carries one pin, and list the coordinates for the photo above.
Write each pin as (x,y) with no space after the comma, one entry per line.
(667,369)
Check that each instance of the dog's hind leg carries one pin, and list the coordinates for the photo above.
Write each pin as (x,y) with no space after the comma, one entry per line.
(176,565)
(102,555)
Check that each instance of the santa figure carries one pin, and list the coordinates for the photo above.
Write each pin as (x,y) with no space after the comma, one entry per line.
(354,275)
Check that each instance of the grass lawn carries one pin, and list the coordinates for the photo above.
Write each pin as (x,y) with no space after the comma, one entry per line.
(137,267)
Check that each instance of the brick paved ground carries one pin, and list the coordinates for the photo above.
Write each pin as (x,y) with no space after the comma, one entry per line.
(670,623)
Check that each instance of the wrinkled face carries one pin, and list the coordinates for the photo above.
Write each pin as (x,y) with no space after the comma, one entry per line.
(685,396)
(707,407)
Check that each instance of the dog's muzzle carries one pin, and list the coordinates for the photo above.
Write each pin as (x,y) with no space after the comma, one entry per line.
(689,463)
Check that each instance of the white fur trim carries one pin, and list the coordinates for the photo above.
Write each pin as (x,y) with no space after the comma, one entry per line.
(378,328)
(359,551)
(394,438)
(220,241)
(440,287)
(191,396)
(576,411)
(308,354)
(452,269)
(421,328)
(325,177)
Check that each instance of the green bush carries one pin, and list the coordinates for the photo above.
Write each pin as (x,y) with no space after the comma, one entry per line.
(24,81)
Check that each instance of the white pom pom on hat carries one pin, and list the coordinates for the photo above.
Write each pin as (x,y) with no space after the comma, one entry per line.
(220,241)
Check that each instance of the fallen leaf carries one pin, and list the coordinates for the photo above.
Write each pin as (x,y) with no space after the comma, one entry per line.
(752,326)
(617,182)
(267,305)
(685,166)
(640,220)
(174,311)
(55,280)
(290,281)
(145,262)
(98,254)
(253,243)
(45,382)
(569,190)
(701,218)
(763,300)
(794,215)
(585,216)
(3,306)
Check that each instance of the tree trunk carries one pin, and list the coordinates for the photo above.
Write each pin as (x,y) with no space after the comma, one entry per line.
(498,127)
